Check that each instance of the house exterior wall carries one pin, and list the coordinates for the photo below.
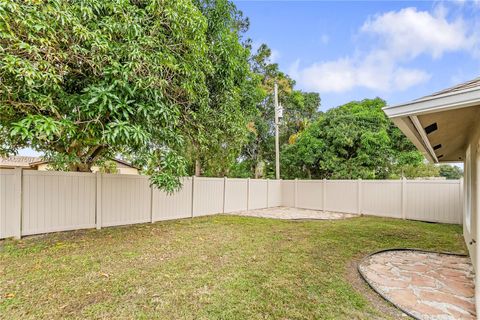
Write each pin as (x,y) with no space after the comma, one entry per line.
(472,196)
(122,169)
(471,220)
(43,167)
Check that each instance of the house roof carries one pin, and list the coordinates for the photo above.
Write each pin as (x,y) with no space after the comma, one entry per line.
(128,164)
(19,161)
(28,162)
(471,84)
(439,124)
(460,96)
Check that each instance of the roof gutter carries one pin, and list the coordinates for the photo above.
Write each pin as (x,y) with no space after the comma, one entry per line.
(455,100)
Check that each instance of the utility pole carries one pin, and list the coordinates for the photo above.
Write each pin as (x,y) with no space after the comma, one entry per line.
(277,143)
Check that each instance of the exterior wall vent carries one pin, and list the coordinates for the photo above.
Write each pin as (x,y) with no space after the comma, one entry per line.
(429,129)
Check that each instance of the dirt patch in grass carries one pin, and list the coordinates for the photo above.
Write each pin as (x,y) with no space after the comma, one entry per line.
(218,267)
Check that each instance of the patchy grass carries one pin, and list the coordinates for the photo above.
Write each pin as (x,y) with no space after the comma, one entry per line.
(219,267)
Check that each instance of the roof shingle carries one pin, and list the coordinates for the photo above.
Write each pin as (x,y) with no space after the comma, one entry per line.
(471,84)
(18,161)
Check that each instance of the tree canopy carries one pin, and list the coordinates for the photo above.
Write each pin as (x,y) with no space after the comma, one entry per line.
(217,130)
(450,172)
(172,86)
(85,80)
(300,108)
(352,141)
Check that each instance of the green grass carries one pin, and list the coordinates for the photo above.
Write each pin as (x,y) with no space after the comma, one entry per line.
(219,267)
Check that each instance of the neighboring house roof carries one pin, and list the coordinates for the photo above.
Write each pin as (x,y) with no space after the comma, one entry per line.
(30,162)
(439,124)
(125,163)
(19,161)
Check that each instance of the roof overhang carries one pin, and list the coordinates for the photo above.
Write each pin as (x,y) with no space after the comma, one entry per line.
(451,114)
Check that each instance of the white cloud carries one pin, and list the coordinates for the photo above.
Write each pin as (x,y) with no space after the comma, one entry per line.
(396,38)
(405,78)
(409,33)
(336,76)
(344,74)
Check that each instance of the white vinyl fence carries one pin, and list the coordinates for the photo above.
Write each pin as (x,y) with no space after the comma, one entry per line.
(426,200)
(35,202)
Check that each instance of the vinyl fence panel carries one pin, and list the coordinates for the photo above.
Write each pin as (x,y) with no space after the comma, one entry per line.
(310,194)
(57,201)
(288,193)
(9,207)
(125,199)
(236,193)
(208,196)
(257,194)
(176,205)
(274,193)
(341,196)
(436,201)
(382,198)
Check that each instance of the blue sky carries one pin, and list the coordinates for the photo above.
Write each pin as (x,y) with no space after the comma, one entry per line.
(397,50)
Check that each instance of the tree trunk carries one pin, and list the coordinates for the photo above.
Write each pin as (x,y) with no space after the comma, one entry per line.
(309,173)
(80,167)
(84,167)
(260,170)
(198,168)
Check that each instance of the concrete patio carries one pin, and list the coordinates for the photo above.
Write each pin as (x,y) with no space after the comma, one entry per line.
(288,213)
(423,284)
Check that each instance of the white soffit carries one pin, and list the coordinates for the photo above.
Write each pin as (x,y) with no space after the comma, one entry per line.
(440,108)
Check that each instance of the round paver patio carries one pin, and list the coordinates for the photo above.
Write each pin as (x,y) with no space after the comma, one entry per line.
(425,285)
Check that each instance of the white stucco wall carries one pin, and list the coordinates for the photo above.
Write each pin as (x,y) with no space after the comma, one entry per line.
(472,195)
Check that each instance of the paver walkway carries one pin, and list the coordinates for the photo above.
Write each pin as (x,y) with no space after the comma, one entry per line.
(427,285)
(293,213)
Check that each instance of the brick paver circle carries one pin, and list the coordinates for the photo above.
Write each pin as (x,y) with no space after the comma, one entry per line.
(426,285)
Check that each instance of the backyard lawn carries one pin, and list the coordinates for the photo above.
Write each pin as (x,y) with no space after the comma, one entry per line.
(217,267)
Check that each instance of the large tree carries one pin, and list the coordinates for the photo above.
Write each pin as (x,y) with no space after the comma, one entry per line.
(300,108)
(217,130)
(450,171)
(85,80)
(352,141)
